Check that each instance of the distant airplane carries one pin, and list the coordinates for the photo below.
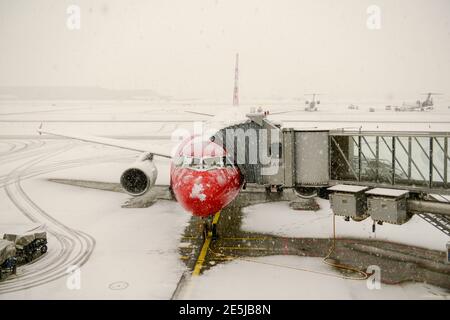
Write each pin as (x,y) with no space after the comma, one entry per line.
(312,105)
(353,107)
(425,105)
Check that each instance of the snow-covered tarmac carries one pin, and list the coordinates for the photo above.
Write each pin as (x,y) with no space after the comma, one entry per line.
(132,249)
(133,253)
(291,277)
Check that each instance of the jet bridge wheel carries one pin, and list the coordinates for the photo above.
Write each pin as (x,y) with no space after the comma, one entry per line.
(305,192)
(274,188)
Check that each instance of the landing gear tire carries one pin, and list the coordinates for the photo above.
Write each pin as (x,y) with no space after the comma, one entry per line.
(207,227)
(215,235)
(205,230)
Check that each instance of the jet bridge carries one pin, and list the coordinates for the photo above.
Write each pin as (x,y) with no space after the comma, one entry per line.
(309,158)
(311,161)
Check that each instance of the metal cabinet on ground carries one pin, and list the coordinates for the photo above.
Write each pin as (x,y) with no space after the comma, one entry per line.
(349,201)
(388,205)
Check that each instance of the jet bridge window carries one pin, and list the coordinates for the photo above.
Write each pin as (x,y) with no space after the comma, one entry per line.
(275,150)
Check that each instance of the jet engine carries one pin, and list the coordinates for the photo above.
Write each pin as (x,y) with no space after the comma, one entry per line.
(140,177)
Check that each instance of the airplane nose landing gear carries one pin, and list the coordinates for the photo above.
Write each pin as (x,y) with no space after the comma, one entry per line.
(214,231)
(209,228)
(205,229)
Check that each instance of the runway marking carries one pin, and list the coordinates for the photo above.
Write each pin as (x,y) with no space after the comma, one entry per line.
(247,238)
(243,248)
(236,238)
(201,258)
(216,218)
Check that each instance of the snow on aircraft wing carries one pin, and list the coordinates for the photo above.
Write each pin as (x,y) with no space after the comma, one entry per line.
(122,144)
(283,112)
(200,113)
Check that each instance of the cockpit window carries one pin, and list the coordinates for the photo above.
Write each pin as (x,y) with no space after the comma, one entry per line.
(178,161)
(202,163)
(187,161)
(214,162)
(196,162)
(190,162)
(227,162)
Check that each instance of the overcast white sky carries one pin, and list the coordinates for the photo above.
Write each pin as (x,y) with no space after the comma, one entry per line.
(186,48)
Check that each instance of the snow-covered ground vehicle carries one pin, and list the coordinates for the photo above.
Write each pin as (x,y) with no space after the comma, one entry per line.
(28,246)
(8,261)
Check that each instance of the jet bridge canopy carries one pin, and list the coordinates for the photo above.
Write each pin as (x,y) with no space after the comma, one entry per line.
(407,160)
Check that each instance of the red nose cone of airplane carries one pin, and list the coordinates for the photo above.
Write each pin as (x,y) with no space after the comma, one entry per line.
(208,187)
(204,193)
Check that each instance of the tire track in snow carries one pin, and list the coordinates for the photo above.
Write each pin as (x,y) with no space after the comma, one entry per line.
(72,247)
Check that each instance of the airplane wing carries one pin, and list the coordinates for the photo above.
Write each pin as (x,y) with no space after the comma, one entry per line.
(122,144)
(282,112)
(200,113)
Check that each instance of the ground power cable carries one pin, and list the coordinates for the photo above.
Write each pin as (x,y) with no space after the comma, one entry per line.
(363,275)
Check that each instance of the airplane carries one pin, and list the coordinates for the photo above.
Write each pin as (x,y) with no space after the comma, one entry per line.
(312,105)
(425,105)
(202,177)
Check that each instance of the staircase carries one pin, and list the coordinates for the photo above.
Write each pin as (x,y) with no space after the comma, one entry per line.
(442,222)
